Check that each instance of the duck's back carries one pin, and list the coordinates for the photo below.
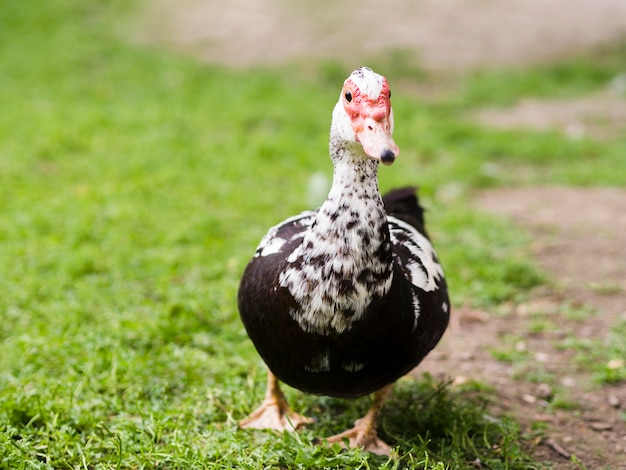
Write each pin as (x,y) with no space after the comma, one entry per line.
(391,336)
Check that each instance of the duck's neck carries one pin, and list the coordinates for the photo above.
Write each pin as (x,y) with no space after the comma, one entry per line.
(353,216)
(344,261)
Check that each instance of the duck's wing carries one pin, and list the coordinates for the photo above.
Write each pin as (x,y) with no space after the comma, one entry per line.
(286,233)
(412,249)
(415,255)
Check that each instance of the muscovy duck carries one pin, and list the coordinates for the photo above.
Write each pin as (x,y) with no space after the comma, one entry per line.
(344,300)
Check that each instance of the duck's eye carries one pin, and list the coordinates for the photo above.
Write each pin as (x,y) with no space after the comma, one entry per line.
(389,94)
(348,96)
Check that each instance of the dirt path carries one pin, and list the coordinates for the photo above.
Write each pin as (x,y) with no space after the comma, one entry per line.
(445,33)
(580,240)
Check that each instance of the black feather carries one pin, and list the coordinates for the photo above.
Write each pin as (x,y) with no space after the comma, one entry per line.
(403,203)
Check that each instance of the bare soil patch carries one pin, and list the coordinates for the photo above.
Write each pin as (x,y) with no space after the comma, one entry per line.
(446,34)
(580,240)
(599,115)
(580,237)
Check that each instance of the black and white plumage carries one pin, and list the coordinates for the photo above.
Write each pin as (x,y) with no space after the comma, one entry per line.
(344,300)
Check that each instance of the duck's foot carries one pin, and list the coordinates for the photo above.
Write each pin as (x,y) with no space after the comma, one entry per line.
(364,436)
(274,412)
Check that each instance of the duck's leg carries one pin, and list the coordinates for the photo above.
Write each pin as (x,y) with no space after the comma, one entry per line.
(364,434)
(274,412)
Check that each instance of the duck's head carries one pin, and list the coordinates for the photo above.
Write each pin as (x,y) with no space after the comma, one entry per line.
(363,115)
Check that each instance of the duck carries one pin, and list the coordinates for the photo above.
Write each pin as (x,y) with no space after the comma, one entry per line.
(344,300)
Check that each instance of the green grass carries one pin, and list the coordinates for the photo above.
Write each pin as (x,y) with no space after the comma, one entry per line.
(134,186)
(603,356)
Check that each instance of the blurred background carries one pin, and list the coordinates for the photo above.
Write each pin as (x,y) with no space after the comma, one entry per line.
(437,37)
(443,34)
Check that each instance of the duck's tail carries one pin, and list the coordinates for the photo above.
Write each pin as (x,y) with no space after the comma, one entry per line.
(403,203)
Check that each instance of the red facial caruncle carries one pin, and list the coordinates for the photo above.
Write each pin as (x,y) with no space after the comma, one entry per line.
(372,120)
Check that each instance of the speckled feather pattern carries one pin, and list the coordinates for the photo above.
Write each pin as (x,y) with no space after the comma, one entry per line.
(344,259)
(320,280)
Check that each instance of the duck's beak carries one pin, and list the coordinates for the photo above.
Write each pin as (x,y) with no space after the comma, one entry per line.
(374,135)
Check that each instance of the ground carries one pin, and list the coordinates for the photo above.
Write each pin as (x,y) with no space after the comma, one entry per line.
(578,235)
(446,33)
(579,238)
